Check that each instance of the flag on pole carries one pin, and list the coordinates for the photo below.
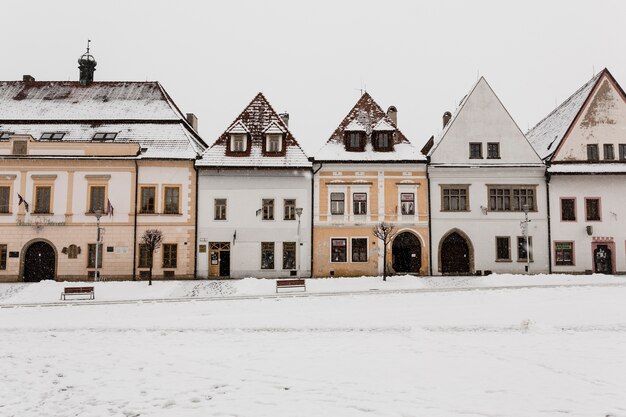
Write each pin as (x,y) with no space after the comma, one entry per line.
(109,208)
(21,200)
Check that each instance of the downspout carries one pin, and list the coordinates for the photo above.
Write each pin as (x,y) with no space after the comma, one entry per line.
(549,229)
(312,208)
(135,221)
(430,225)
(195,228)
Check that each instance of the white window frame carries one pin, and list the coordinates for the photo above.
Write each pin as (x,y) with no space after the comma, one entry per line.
(408,189)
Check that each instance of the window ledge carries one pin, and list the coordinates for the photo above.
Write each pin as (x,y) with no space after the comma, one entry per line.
(524,261)
(504,260)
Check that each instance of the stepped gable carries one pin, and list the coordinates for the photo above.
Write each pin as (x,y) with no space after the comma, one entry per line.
(257,119)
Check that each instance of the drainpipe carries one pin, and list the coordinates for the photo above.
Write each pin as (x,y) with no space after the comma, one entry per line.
(195,228)
(430,225)
(135,222)
(312,208)
(548,217)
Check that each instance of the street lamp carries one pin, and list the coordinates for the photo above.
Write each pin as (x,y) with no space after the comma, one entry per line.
(299,213)
(98,214)
(524,225)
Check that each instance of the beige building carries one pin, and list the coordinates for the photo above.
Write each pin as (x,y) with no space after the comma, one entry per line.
(72,150)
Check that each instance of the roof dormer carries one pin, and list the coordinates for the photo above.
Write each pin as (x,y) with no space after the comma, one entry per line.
(382,136)
(354,137)
(238,143)
(273,140)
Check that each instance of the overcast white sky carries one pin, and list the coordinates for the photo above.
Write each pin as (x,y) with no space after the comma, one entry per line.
(311,59)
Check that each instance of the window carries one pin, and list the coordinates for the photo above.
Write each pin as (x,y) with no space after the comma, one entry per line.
(5,135)
(170,255)
(592,209)
(53,135)
(503,248)
(568,209)
(91,255)
(145,258)
(382,141)
(20,147)
(268,209)
(354,141)
(337,203)
(104,136)
(238,142)
(493,150)
(564,253)
(274,142)
(338,250)
(407,204)
(511,198)
(359,250)
(289,255)
(267,255)
(454,198)
(593,153)
(148,198)
(359,203)
(290,209)
(220,209)
(5,194)
(476,150)
(96,198)
(622,151)
(522,253)
(3,257)
(172,198)
(609,155)
(42,199)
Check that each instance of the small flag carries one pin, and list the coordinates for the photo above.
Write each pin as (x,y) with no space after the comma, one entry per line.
(21,200)
(110,208)
(234,237)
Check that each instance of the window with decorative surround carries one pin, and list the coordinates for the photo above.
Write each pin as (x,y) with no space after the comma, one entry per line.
(339,250)
(171,197)
(511,197)
(268,209)
(407,201)
(220,209)
(455,198)
(148,199)
(568,209)
(5,199)
(564,253)
(290,209)
(359,203)
(337,203)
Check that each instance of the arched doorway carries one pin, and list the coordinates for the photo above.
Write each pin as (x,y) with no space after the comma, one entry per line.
(39,262)
(602,260)
(406,252)
(455,254)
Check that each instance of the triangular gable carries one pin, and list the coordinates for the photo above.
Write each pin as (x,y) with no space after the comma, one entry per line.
(384,126)
(274,128)
(238,127)
(481,117)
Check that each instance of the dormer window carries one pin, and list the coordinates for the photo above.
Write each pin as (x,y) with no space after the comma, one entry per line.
(5,135)
(238,142)
(104,136)
(52,136)
(355,141)
(273,142)
(382,141)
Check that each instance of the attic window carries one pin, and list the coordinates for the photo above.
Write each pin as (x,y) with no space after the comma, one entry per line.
(53,135)
(355,141)
(382,141)
(273,142)
(238,142)
(104,136)
(5,135)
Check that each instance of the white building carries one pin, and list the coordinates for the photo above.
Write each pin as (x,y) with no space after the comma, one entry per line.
(482,172)
(254,200)
(584,143)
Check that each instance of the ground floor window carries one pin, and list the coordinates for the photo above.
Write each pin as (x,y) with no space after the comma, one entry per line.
(289,255)
(3,257)
(359,250)
(91,249)
(267,255)
(339,250)
(522,252)
(145,257)
(503,248)
(170,255)
(564,253)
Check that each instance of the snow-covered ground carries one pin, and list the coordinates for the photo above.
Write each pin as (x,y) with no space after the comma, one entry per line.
(508,352)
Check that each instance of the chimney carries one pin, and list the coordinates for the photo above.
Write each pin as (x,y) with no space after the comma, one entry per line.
(28,78)
(193,121)
(446,118)
(284,116)
(392,113)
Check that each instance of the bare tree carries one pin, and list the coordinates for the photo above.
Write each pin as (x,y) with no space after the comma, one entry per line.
(152,239)
(385,232)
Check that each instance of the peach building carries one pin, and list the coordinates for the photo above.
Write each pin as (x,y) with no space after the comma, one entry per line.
(369,172)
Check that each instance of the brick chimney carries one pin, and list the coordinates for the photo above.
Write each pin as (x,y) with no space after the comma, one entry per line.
(392,113)
(284,116)
(192,120)
(28,78)
(446,118)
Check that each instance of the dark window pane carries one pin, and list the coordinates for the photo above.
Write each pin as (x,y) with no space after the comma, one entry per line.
(359,250)
(267,255)
(289,255)
(339,250)
(593,209)
(568,209)
(502,248)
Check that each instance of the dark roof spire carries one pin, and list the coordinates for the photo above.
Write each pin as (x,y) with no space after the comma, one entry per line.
(87,66)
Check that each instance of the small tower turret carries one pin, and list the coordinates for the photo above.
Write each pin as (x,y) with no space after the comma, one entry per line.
(87,66)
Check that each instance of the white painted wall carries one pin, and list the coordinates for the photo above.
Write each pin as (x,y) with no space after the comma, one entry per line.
(244,191)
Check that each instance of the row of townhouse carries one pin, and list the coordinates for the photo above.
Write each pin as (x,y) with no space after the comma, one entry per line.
(480,197)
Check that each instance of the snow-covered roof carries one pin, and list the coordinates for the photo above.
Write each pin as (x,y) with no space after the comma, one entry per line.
(587,168)
(257,118)
(548,133)
(367,115)
(140,112)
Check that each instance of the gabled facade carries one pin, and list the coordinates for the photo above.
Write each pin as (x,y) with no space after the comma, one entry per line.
(583,141)
(71,150)
(482,173)
(368,172)
(254,206)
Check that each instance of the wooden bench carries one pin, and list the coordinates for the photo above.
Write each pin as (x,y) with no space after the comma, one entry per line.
(290,283)
(78,291)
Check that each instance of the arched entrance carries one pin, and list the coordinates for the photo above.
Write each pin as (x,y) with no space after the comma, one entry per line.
(602,260)
(39,262)
(406,252)
(455,254)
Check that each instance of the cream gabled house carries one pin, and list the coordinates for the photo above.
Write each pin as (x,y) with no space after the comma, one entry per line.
(483,172)
(254,199)
(368,172)
(72,150)
(583,141)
